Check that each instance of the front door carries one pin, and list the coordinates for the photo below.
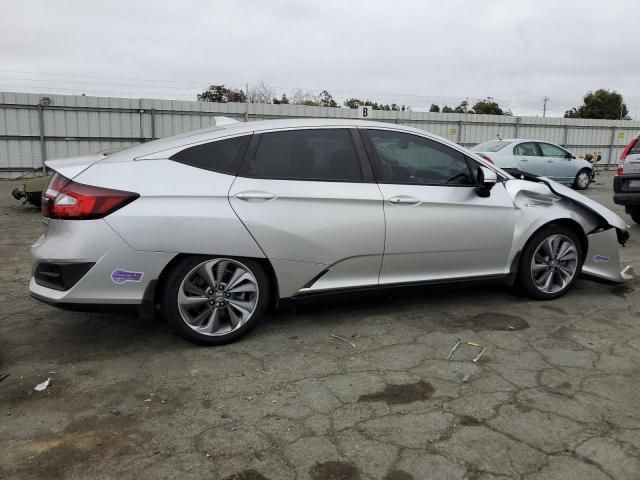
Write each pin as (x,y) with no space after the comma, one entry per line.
(308,199)
(437,226)
(559,165)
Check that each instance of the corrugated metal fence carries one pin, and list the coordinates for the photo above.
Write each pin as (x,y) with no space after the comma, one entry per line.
(34,127)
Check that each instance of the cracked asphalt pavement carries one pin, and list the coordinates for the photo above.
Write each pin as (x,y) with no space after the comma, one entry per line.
(555,395)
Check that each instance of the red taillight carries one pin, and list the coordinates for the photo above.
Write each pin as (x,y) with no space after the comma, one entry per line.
(69,200)
(486,157)
(628,148)
(624,154)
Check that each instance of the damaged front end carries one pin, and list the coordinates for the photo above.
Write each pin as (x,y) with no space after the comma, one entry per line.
(604,229)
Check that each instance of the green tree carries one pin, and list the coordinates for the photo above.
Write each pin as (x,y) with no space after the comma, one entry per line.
(462,108)
(434,108)
(221,94)
(326,100)
(284,100)
(602,103)
(447,109)
(488,107)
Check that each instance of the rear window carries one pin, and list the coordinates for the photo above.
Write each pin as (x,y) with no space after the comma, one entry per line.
(490,146)
(635,149)
(222,156)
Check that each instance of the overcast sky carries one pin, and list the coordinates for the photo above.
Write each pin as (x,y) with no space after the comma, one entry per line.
(408,52)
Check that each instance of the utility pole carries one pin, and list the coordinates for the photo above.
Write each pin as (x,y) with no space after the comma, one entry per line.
(544,106)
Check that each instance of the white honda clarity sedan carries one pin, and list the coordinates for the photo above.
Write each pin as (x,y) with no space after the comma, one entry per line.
(211,228)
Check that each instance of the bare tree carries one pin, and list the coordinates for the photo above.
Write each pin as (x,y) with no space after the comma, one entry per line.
(303,97)
(261,93)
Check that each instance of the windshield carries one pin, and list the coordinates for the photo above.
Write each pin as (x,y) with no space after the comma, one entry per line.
(490,146)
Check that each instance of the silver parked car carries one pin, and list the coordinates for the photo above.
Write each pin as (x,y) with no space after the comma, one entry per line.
(542,159)
(214,227)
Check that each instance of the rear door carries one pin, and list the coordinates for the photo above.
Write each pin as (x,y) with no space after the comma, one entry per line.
(308,198)
(437,226)
(559,165)
(530,158)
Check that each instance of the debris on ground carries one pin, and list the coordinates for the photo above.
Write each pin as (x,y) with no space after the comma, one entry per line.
(472,344)
(43,386)
(342,339)
(3,376)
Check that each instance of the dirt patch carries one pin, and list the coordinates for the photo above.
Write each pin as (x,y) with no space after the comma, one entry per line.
(400,394)
(470,421)
(246,475)
(620,291)
(398,475)
(498,321)
(334,471)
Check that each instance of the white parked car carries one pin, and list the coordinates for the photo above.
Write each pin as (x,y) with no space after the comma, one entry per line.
(542,159)
(213,227)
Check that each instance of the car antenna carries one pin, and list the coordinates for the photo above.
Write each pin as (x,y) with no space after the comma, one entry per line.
(498,135)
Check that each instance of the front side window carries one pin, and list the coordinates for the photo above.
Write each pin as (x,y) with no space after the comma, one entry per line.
(549,150)
(409,159)
(313,154)
(528,149)
(222,156)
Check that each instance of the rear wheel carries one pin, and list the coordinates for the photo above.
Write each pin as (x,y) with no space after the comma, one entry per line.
(215,300)
(582,180)
(551,262)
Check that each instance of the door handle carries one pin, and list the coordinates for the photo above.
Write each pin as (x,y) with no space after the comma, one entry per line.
(524,160)
(255,196)
(549,161)
(403,200)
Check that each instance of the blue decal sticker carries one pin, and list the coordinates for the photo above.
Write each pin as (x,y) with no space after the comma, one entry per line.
(600,259)
(122,276)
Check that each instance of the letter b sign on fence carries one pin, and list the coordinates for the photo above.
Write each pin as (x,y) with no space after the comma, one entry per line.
(365,111)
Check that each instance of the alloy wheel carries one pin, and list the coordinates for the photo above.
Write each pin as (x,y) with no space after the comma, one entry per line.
(554,263)
(218,296)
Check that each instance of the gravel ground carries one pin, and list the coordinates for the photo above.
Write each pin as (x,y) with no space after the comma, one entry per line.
(555,396)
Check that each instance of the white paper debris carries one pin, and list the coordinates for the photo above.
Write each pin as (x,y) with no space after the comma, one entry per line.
(42,386)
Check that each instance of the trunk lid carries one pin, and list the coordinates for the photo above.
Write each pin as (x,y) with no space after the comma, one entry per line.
(74,166)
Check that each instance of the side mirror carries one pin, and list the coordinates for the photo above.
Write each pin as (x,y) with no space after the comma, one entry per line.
(569,155)
(487,178)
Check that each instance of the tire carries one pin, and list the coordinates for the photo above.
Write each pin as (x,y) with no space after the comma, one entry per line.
(215,300)
(635,215)
(582,180)
(536,262)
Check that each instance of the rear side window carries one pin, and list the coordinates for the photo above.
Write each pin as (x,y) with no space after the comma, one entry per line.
(314,154)
(529,149)
(549,150)
(222,156)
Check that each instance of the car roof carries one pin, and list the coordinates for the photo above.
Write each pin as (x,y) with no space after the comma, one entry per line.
(232,129)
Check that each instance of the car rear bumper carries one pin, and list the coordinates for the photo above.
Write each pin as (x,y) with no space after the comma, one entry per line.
(626,190)
(85,262)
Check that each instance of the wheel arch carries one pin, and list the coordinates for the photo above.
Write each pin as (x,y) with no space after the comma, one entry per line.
(569,223)
(158,286)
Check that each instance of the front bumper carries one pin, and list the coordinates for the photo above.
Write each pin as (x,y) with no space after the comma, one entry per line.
(603,261)
(108,281)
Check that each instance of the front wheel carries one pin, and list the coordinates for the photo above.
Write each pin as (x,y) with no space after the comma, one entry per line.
(550,263)
(582,180)
(215,300)
(635,215)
